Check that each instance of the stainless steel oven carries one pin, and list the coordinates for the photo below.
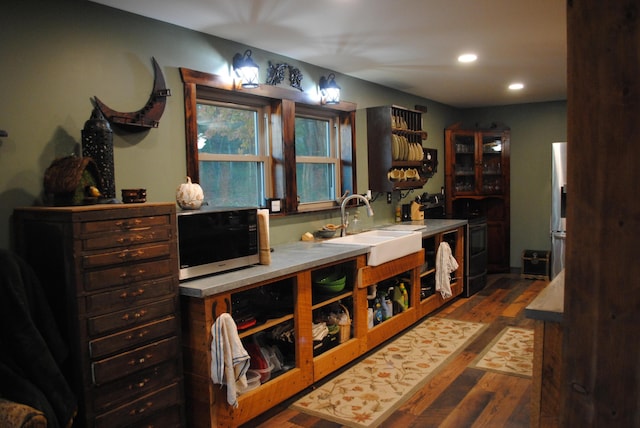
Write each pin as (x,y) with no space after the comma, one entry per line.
(476,255)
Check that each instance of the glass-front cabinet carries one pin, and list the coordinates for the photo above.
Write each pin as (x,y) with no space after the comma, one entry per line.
(477,184)
(478,160)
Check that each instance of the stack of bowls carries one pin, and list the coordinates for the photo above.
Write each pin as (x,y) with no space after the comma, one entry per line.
(332,282)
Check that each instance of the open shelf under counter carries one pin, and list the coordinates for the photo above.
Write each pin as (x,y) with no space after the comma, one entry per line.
(317,303)
(265,326)
(254,402)
(390,327)
(435,301)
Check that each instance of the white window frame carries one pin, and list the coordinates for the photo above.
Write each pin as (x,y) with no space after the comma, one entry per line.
(333,159)
(262,135)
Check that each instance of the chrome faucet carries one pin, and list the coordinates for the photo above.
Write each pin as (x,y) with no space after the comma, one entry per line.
(343,213)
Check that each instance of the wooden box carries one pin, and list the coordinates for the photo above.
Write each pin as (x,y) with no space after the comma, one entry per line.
(535,264)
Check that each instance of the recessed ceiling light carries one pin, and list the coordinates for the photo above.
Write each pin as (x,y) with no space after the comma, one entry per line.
(468,57)
(516,86)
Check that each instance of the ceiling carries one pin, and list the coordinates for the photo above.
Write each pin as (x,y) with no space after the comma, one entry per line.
(408,45)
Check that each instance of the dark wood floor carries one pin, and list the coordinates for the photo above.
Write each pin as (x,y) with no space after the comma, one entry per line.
(458,396)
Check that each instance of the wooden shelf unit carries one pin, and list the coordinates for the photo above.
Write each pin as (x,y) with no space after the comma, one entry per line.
(384,125)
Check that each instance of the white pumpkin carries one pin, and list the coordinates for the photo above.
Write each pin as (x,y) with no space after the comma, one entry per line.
(189,195)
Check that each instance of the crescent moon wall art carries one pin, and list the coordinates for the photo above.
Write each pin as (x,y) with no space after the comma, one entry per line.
(149,115)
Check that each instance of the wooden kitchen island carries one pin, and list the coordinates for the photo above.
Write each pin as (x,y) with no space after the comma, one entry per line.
(292,275)
(546,396)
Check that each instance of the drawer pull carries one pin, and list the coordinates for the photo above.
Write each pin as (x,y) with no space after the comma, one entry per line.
(131,239)
(140,335)
(141,410)
(140,384)
(124,275)
(128,223)
(140,292)
(129,255)
(140,314)
(140,360)
(137,293)
(136,315)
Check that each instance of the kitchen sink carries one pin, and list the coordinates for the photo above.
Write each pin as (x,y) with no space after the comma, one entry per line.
(384,245)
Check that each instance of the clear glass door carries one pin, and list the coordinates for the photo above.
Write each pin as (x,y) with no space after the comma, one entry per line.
(464,173)
(491,164)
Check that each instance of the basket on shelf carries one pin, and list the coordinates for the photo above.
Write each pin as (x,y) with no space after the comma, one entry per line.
(345,325)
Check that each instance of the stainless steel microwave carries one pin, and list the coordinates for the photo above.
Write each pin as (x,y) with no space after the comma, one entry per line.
(216,240)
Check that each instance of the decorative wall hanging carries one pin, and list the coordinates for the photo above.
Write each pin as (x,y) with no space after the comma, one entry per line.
(276,74)
(149,115)
(97,144)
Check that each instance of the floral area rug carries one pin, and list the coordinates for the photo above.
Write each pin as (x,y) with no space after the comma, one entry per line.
(511,352)
(365,394)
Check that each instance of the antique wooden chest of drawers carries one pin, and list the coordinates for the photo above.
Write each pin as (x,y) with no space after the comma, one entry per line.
(111,275)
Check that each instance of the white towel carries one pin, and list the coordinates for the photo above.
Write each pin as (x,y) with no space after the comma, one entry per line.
(229,359)
(445,264)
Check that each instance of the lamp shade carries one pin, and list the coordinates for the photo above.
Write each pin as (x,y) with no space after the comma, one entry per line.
(246,69)
(329,89)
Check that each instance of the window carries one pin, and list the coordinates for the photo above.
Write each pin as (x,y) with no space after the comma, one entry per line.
(232,154)
(317,162)
(246,146)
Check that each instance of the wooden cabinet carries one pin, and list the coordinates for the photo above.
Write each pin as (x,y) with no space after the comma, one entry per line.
(290,305)
(477,182)
(397,159)
(111,274)
(293,304)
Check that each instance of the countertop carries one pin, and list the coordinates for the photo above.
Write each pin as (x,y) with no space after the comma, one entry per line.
(298,256)
(549,305)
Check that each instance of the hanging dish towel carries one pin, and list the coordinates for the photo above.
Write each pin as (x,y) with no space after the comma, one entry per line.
(229,359)
(445,264)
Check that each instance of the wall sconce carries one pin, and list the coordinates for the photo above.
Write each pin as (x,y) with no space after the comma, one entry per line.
(246,69)
(329,89)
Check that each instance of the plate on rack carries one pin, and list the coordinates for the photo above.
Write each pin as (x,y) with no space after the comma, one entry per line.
(405,148)
(395,149)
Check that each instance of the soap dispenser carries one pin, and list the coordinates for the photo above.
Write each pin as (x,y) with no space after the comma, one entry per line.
(355,223)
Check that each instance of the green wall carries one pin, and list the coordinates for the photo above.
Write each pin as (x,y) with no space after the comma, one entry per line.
(57,55)
(534,127)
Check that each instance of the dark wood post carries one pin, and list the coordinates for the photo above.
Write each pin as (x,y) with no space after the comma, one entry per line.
(602,296)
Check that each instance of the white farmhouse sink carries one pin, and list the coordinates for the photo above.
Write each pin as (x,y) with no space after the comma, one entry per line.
(384,245)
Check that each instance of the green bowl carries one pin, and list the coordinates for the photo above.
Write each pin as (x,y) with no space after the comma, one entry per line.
(332,283)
